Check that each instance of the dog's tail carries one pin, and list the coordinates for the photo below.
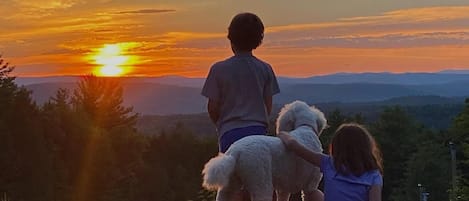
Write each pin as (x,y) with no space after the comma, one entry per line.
(217,171)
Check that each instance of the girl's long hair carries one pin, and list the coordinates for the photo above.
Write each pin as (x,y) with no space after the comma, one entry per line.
(355,151)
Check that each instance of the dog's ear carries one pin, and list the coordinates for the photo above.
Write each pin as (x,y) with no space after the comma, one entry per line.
(286,119)
(321,121)
(321,127)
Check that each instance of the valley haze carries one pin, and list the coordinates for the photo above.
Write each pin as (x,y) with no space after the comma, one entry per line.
(169,95)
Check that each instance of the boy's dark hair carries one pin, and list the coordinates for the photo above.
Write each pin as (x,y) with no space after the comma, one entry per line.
(355,151)
(246,31)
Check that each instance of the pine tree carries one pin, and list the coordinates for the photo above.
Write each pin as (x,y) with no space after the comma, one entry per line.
(112,148)
(5,70)
(101,99)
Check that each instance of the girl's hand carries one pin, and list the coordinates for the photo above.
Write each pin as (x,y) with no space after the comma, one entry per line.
(303,152)
(287,139)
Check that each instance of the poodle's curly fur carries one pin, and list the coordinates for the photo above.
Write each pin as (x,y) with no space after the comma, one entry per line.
(260,164)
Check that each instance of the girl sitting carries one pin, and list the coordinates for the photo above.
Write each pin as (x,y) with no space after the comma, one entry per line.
(352,171)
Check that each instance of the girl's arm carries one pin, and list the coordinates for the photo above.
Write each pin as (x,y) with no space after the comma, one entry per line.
(375,193)
(303,152)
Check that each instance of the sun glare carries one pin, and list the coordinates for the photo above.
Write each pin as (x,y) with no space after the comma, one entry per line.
(113,59)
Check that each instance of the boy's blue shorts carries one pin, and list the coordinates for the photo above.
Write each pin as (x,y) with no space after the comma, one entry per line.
(234,135)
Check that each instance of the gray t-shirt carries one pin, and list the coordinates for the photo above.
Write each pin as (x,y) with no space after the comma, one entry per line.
(240,84)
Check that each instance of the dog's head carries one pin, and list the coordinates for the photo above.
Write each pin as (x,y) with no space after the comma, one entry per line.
(299,113)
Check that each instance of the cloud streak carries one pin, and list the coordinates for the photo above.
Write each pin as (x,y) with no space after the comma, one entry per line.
(147,11)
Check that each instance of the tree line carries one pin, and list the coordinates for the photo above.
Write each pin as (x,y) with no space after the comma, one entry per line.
(83,145)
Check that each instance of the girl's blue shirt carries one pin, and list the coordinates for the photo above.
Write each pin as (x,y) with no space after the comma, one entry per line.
(338,187)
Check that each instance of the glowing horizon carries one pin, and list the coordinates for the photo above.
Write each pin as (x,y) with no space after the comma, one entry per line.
(113,60)
(65,37)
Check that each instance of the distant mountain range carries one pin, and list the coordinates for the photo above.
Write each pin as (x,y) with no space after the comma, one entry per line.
(455,71)
(366,92)
(180,95)
(338,78)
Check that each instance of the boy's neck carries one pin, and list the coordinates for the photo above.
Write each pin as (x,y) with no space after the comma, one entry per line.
(243,53)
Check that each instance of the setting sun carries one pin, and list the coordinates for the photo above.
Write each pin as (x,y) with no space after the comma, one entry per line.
(113,59)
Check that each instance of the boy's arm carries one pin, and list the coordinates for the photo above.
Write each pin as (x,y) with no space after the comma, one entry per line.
(270,89)
(303,152)
(211,90)
(213,108)
(268,104)
(375,193)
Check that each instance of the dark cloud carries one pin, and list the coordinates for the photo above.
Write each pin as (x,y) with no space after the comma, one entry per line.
(147,11)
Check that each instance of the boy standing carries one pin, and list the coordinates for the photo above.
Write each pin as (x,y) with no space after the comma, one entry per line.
(240,88)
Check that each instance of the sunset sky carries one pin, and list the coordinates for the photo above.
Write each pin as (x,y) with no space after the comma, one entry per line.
(184,37)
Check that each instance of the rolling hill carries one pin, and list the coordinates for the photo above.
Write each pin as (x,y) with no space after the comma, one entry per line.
(179,95)
(159,99)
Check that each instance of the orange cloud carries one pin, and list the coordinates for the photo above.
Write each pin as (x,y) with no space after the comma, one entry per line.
(418,39)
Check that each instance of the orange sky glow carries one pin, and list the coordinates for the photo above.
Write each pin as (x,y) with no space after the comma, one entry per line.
(185,37)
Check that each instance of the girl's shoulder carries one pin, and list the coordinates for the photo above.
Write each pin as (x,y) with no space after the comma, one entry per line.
(369,178)
(375,177)
(326,164)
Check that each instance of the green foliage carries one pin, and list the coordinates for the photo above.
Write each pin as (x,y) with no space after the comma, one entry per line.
(412,155)
(438,117)
(67,151)
(84,146)
(205,195)
(24,154)
(460,136)
(395,130)
(428,166)
(174,162)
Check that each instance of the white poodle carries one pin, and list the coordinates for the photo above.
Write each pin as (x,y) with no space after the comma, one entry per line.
(261,164)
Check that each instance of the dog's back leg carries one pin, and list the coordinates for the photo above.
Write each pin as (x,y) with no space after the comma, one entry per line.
(230,192)
(283,195)
(314,195)
(311,193)
(256,176)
